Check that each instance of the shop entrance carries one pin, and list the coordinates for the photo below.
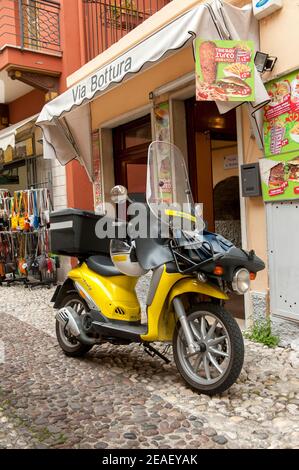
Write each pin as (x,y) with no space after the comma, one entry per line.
(130,147)
(214,174)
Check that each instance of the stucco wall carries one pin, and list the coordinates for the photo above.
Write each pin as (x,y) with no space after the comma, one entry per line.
(279,35)
(26,106)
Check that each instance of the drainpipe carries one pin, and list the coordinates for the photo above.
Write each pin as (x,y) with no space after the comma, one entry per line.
(21,23)
(239,117)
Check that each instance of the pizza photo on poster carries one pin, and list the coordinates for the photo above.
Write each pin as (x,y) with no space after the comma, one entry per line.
(224,70)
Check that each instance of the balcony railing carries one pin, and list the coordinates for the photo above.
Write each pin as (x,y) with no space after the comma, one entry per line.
(106,21)
(30,24)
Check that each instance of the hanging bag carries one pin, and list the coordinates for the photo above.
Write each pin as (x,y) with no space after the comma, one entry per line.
(42,259)
(10,266)
(46,207)
(14,221)
(21,218)
(22,265)
(2,258)
(31,209)
(36,220)
(26,206)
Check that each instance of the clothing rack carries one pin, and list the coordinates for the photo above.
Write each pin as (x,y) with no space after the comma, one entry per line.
(24,238)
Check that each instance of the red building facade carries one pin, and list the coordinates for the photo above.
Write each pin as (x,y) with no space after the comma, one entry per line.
(42,42)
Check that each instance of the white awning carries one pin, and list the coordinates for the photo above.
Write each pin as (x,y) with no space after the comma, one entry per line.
(65,121)
(8,135)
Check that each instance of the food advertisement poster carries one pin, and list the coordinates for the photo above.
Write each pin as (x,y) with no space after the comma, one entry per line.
(280,168)
(97,174)
(162,131)
(162,121)
(280,177)
(281,116)
(224,70)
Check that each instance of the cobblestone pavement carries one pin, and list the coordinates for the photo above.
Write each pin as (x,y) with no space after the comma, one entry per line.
(119,397)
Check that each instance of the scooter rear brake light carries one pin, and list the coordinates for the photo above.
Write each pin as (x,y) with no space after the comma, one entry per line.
(252,276)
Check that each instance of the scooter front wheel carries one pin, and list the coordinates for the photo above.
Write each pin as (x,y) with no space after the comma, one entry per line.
(218,362)
(69,344)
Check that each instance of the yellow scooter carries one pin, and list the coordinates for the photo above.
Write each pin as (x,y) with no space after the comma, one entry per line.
(193,272)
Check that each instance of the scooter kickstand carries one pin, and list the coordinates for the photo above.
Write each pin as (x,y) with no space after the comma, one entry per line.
(151,351)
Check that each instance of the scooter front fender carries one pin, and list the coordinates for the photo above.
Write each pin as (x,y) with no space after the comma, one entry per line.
(161,316)
(185,286)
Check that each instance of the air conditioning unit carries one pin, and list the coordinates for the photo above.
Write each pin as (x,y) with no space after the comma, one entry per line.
(263,8)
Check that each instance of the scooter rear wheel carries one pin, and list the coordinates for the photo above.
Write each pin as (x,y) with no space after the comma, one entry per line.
(220,359)
(69,345)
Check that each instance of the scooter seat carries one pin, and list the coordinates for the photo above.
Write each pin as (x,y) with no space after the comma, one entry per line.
(103,266)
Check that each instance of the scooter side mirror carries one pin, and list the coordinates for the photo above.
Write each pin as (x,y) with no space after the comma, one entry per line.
(118,194)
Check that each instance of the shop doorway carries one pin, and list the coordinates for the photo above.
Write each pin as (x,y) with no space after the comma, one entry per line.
(214,173)
(130,147)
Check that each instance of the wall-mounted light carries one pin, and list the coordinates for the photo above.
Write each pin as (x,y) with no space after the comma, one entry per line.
(263,62)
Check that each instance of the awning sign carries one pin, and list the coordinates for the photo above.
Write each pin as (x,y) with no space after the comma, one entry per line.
(224,70)
(102,79)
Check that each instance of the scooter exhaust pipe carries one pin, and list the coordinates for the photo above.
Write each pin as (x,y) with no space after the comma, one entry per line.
(70,320)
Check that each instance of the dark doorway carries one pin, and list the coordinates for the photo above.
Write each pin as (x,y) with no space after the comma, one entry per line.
(227,209)
(130,146)
(213,171)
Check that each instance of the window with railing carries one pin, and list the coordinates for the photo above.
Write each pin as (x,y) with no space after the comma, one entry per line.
(106,21)
(30,24)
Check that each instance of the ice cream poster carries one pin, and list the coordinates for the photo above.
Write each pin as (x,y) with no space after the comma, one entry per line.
(281,116)
(224,70)
(162,121)
(280,177)
(162,131)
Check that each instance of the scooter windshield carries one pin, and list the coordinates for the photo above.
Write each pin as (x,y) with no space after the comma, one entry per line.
(168,192)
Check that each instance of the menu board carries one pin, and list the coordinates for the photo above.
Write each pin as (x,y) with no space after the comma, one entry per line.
(280,168)
(224,70)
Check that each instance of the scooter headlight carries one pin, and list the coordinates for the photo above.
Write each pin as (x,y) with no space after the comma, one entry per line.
(241,281)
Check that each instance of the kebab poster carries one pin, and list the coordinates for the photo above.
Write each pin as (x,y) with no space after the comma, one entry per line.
(281,116)
(280,178)
(224,70)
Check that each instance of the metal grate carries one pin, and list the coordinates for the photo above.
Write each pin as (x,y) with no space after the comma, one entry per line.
(30,24)
(107,21)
